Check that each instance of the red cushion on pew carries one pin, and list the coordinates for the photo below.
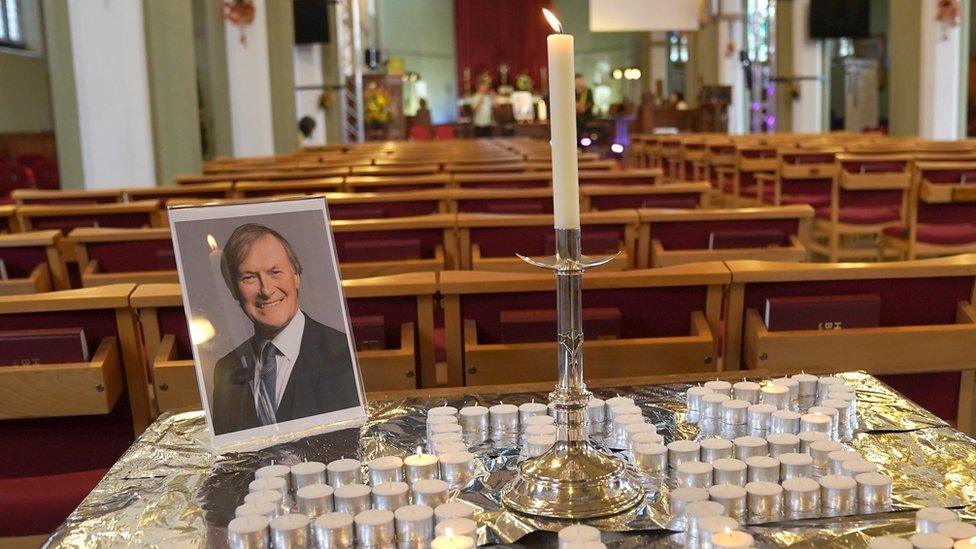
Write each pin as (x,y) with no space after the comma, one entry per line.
(862,216)
(38,505)
(813,200)
(937,393)
(937,234)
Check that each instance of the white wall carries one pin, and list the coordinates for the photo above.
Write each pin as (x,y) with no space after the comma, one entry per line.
(112,84)
(730,67)
(938,78)
(309,86)
(807,110)
(249,81)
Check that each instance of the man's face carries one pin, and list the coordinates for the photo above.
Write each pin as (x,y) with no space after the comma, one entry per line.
(580,84)
(268,285)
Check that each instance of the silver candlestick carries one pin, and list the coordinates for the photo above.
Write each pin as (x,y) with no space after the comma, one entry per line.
(573,480)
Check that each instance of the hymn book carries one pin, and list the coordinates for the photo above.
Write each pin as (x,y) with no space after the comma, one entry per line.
(823,312)
(43,346)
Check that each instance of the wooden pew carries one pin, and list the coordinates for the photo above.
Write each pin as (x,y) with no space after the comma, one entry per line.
(395,170)
(671,237)
(395,245)
(366,205)
(254,189)
(53,197)
(927,325)
(533,200)
(680,335)
(646,176)
(33,263)
(8,219)
(377,184)
(263,175)
(688,195)
(115,256)
(802,176)
(502,180)
(216,190)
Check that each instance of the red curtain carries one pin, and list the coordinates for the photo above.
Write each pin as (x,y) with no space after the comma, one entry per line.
(493,32)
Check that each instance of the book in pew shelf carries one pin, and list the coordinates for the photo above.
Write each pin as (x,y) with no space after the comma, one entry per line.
(539,325)
(43,346)
(369,332)
(749,238)
(822,312)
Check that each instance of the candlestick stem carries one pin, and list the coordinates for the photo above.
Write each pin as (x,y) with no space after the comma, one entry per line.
(573,480)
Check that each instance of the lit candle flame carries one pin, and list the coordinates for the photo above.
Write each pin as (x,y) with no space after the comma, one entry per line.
(419,450)
(553,21)
(449,532)
(212,242)
(201,330)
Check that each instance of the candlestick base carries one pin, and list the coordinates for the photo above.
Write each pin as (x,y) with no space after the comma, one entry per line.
(572,483)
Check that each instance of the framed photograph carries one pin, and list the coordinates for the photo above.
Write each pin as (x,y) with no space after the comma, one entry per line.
(269,327)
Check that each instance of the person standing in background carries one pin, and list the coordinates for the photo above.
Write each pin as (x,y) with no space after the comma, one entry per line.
(482,103)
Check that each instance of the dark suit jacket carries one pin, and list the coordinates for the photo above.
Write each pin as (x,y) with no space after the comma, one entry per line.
(322,380)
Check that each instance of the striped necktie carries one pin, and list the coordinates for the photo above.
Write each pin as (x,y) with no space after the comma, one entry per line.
(269,378)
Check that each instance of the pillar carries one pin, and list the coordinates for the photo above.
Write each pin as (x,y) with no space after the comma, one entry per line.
(731,40)
(808,87)
(64,104)
(281,42)
(941,70)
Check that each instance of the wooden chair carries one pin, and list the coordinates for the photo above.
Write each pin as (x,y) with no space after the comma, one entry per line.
(502,180)
(32,263)
(691,151)
(719,152)
(678,335)
(396,184)
(489,242)
(647,176)
(671,237)
(669,152)
(922,347)
(115,256)
(253,189)
(52,197)
(689,195)
(737,184)
(8,219)
(868,194)
(941,212)
(802,176)
(366,205)
(533,200)
(378,247)
(404,360)
(217,190)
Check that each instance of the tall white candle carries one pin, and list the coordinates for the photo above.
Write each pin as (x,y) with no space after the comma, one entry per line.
(562,127)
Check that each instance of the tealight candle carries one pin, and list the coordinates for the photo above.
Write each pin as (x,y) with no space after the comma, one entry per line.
(716,448)
(709,526)
(928,519)
(775,395)
(577,533)
(375,528)
(729,471)
(314,499)
(540,429)
(694,396)
(785,421)
(430,492)
(696,511)
(248,532)
(720,386)
(957,530)
(618,401)
(830,413)
(854,467)
(343,471)
(712,405)
(435,441)
(791,384)
(390,496)
(334,530)
(452,541)
(760,416)
(764,501)
(440,428)
(281,471)
(681,497)
(641,438)
(783,443)
(420,465)
(931,541)
(824,383)
(650,457)
(351,498)
(289,531)
(596,411)
(838,495)
(474,422)
(637,428)
(680,451)
(735,412)
(732,498)
(802,497)
(268,483)
(624,410)
(889,542)
(835,460)
(444,410)
(433,421)
(307,473)
(536,445)
(873,492)
(453,510)
(815,422)
(274,497)
(730,539)
(820,450)
(264,509)
(450,448)
(385,469)
(747,391)
(809,437)
(806,385)
(504,420)
(795,465)
(457,468)
(762,469)
(414,525)
(842,412)
(749,446)
(694,473)
(538,420)
(529,409)
(460,527)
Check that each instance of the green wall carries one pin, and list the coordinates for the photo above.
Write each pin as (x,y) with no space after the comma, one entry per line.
(212,85)
(903,74)
(64,103)
(25,100)
(281,40)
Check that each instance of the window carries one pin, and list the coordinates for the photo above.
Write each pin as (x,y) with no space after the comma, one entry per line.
(10,29)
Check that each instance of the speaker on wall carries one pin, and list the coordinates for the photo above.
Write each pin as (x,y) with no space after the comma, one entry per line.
(311,21)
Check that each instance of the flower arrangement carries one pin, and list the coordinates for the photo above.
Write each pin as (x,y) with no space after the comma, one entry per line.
(377,108)
(523,82)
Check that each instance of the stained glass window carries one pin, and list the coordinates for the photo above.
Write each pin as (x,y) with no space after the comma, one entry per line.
(10,32)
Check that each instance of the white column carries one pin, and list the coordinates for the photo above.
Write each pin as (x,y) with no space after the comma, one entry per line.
(807,62)
(659,61)
(730,67)
(112,87)
(938,78)
(249,81)
(309,87)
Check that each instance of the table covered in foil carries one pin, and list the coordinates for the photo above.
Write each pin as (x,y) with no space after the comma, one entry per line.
(168,490)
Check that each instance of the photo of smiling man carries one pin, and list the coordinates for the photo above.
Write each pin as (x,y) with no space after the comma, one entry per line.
(268,321)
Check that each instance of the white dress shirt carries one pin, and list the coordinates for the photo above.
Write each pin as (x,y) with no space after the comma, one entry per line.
(289,343)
